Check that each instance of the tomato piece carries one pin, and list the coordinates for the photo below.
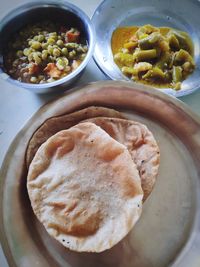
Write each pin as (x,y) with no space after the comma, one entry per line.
(33,69)
(72,36)
(52,70)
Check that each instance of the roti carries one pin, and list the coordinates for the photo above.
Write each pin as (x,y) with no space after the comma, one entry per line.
(56,124)
(136,136)
(141,144)
(85,188)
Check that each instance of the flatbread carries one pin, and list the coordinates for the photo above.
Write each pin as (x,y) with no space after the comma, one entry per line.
(141,144)
(56,124)
(85,188)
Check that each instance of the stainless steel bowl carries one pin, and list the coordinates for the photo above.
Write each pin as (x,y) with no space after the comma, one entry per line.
(110,14)
(61,11)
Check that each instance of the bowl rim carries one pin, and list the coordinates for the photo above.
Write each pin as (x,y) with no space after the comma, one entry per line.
(45,4)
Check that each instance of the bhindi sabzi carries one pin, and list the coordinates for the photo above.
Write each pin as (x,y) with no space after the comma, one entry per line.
(162,57)
(44,52)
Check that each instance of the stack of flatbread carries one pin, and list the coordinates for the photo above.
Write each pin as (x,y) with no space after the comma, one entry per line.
(89,173)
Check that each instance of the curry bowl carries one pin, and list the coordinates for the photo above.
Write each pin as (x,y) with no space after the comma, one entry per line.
(113,14)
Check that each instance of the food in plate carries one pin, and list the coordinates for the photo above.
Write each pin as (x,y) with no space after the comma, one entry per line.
(44,52)
(65,121)
(159,56)
(134,135)
(89,173)
(85,188)
(140,143)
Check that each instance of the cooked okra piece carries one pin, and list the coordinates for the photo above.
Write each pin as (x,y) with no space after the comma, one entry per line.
(146,29)
(177,86)
(177,74)
(141,67)
(142,36)
(164,46)
(150,41)
(164,61)
(130,45)
(124,59)
(184,41)
(154,73)
(128,70)
(145,55)
(173,41)
(183,56)
(187,67)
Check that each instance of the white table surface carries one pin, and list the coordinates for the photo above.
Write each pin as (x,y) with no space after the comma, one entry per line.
(18,105)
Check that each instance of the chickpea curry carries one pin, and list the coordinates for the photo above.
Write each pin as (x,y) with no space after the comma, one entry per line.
(162,57)
(44,52)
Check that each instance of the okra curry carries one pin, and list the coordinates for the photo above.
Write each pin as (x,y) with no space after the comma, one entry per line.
(44,52)
(162,57)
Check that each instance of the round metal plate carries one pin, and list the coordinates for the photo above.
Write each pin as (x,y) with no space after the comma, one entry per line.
(168,232)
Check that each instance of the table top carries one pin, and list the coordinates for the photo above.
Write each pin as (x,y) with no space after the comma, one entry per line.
(18,105)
